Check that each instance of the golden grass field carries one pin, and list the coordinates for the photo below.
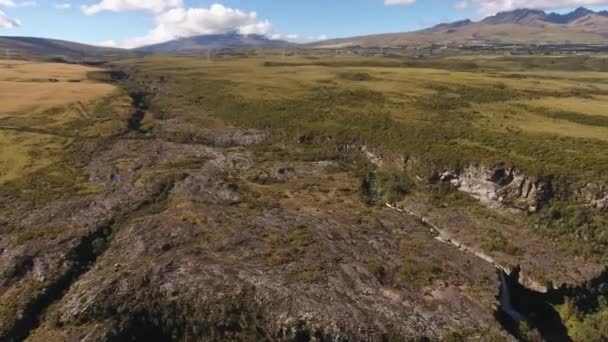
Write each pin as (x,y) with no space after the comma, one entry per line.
(529,111)
(42,104)
(34,87)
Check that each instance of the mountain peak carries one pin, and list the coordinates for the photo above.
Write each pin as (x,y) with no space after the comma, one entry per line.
(448,26)
(201,43)
(518,16)
(569,17)
(583,10)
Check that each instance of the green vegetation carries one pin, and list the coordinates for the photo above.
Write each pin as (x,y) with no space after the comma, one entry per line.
(495,241)
(585,325)
(544,115)
(291,245)
(418,273)
(444,116)
(418,268)
(528,333)
(582,229)
(433,112)
(393,187)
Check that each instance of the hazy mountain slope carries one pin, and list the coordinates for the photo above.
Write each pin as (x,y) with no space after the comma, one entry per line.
(569,17)
(519,16)
(522,26)
(216,41)
(42,48)
(29,47)
(592,23)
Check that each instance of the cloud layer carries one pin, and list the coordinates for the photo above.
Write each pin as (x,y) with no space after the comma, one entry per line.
(187,22)
(173,20)
(155,6)
(12,3)
(6,22)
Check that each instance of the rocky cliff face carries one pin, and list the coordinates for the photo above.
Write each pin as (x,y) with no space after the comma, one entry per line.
(510,188)
(496,186)
(500,187)
(512,197)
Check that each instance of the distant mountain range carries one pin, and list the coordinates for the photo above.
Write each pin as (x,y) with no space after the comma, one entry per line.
(28,47)
(211,42)
(522,26)
(35,48)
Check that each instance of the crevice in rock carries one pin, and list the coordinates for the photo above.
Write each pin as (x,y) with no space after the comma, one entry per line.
(369,188)
(519,304)
(140,105)
(143,328)
(158,319)
(23,264)
(81,259)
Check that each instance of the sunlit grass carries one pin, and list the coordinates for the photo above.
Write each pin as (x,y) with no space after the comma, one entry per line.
(427,110)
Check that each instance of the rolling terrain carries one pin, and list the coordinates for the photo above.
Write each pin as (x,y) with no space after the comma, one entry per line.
(294,198)
(53,49)
(170,194)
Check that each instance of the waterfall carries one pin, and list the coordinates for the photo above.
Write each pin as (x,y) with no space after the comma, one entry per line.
(506,305)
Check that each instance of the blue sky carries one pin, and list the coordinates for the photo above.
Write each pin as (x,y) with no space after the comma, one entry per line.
(137,22)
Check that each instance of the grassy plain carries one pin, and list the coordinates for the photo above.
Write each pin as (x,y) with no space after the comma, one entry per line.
(543,115)
(45,106)
(447,111)
(34,87)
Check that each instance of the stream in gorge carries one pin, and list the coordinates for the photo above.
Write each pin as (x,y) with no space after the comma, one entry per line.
(518,303)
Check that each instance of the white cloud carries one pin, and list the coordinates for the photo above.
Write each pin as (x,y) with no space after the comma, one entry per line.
(295,38)
(64,5)
(156,6)
(461,5)
(186,22)
(107,43)
(489,7)
(6,22)
(398,2)
(12,3)
(176,21)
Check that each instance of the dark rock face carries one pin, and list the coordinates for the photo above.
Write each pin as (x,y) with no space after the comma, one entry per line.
(520,16)
(569,17)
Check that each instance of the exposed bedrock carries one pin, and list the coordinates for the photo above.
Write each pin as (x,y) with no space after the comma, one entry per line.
(494,185)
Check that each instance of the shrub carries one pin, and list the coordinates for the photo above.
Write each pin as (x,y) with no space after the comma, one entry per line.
(393,187)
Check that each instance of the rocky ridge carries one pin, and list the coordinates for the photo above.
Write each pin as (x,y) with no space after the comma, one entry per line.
(187,240)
